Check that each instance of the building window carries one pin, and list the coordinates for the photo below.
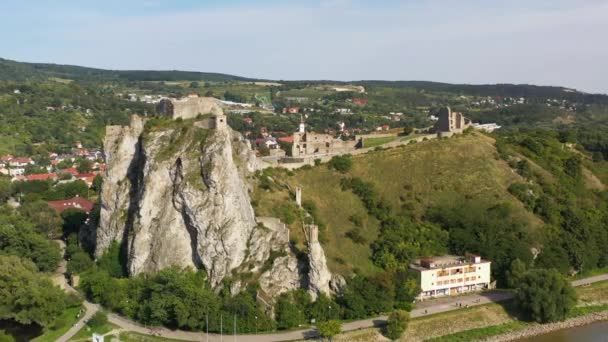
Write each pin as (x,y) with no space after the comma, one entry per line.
(478,277)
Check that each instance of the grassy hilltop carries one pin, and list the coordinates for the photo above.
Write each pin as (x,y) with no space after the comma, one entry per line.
(410,178)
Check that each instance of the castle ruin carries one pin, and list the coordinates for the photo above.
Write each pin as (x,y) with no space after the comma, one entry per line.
(189,107)
(450,122)
(307,144)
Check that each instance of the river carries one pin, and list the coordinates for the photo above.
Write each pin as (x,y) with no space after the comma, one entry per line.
(594,332)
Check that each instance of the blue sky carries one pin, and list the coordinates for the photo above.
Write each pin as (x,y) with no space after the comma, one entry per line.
(559,42)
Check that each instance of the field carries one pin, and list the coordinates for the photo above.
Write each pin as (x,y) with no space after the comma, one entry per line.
(415,176)
(68,317)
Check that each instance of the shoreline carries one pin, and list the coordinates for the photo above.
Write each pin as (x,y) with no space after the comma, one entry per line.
(542,329)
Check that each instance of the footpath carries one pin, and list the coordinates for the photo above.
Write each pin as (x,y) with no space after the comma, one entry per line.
(422,309)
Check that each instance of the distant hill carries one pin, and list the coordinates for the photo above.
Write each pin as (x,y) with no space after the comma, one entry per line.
(21,71)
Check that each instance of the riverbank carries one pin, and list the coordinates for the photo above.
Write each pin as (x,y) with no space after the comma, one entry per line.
(542,329)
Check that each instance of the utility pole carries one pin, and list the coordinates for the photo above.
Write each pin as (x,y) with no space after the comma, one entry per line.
(234,328)
(221,327)
(207,325)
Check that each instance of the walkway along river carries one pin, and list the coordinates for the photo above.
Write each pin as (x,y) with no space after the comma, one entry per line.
(424,308)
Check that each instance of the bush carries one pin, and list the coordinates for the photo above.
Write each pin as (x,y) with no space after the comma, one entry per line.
(396,325)
(329,329)
(341,164)
(99,319)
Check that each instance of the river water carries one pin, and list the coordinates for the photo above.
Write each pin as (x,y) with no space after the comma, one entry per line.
(594,332)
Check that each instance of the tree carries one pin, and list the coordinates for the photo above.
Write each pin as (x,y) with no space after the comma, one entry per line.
(407,130)
(73,219)
(19,239)
(97,183)
(45,219)
(193,85)
(397,323)
(545,295)
(84,165)
(7,189)
(329,329)
(79,262)
(28,296)
(288,313)
(515,273)
(111,261)
(341,164)
(99,319)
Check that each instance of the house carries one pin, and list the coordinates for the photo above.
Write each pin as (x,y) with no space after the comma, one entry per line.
(16,171)
(20,162)
(291,110)
(36,177)
(288,139)
(359,101)
(489,127)
(343,111)
(72,203)
(451,275)
(86,177)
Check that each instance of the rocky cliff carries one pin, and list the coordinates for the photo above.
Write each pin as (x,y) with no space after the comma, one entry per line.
(175,193)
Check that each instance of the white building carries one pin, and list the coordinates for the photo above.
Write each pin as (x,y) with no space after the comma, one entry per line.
(16,171)
(490,127)
(451,275)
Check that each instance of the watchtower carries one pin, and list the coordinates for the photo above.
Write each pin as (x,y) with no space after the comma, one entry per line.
(219,121)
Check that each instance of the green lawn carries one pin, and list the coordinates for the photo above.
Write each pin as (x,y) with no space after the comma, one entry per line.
(373,142)
(136,337)
(69,317)
(87,332)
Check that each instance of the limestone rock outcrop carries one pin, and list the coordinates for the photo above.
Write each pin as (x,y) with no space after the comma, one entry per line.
(319,276)
(176,195)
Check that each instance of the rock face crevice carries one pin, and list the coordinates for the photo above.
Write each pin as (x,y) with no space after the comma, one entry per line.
(177,195)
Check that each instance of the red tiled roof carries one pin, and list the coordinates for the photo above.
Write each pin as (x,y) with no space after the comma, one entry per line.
(21,160)
(288,139)
(72,203)
(71,170)
(41,176)
(6,158)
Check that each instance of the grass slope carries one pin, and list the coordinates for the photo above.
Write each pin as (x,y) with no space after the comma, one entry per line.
(410,177)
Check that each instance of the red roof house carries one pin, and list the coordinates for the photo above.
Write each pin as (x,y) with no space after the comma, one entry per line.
(41,176)
(72,203)
(359,101)
(288,139)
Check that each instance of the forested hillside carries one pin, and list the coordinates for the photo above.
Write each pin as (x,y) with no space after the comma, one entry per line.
(20,71)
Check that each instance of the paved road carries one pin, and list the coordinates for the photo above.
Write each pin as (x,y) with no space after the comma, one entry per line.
(91,308)
(424,308)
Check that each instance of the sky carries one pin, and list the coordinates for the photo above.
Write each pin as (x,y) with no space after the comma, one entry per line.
(557,42)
